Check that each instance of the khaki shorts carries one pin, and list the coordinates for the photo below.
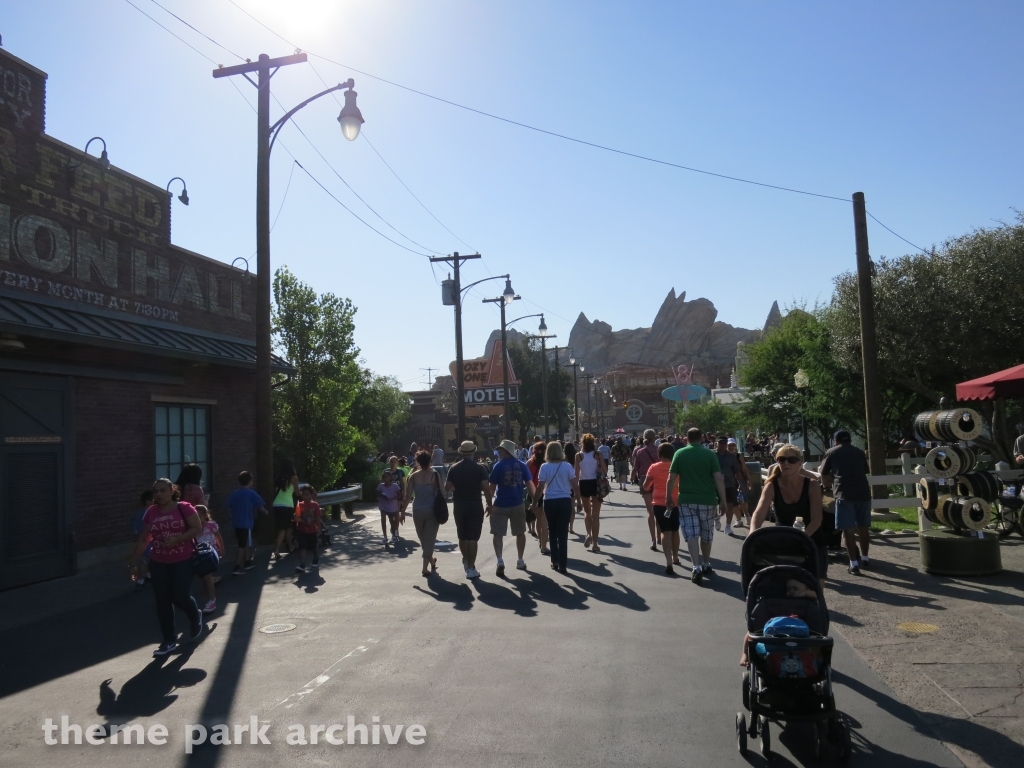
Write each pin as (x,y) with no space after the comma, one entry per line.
(503,517)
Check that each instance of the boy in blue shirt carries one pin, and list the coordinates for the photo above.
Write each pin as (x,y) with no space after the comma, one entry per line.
(242,506)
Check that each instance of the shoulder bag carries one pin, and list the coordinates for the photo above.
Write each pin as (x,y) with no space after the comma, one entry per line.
(205,559)
(440,504)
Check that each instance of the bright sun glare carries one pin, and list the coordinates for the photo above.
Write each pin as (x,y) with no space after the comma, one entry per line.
(295,17)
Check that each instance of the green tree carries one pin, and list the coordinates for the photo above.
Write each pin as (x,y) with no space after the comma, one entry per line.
(380,412)
(312,407)
(833,396)
(380,409)
(711,416)
(526,361)
(942,318)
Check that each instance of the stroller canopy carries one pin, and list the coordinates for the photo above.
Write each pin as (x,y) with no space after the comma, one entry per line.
(776,545)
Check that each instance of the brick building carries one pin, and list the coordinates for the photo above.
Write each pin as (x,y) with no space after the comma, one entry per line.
(122,356)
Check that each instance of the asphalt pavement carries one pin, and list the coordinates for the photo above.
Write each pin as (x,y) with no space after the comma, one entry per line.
(614,664)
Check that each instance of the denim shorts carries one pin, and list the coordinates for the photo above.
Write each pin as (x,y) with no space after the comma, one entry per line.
(852,514)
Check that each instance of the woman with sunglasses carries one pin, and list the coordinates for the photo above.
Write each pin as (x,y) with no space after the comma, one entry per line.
(793,492)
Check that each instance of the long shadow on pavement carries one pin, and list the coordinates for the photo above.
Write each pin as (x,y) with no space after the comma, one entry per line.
(151,691)
(75,639)
(993,747)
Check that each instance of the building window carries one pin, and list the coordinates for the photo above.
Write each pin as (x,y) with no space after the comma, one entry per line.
(182,437)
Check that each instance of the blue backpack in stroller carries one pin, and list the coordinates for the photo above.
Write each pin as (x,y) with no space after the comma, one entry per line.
(788,677)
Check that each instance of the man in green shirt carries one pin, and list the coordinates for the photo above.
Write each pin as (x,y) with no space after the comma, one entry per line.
(701,492)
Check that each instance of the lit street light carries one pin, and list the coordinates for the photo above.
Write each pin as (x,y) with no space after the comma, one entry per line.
(266,134)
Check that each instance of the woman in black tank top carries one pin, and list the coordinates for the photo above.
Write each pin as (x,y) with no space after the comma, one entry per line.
(793,493)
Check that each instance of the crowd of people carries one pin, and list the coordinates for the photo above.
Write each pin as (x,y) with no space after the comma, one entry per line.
(692,485)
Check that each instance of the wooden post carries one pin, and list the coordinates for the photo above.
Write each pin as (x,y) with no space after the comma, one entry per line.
(869,349)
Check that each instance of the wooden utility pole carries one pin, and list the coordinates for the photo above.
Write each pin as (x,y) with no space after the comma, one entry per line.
(869,348)
(264,69)
(460,387)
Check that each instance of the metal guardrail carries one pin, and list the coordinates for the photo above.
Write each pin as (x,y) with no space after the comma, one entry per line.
(346,497)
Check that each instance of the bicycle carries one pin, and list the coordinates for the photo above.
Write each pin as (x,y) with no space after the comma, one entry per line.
(1006,515)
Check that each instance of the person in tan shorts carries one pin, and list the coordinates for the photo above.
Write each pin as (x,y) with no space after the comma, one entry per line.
(508,480)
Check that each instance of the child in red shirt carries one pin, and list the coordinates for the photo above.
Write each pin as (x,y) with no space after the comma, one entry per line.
(307,526)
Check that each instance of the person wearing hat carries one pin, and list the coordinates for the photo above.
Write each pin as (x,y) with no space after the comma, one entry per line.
(507,480)
(467,480)
(847,465)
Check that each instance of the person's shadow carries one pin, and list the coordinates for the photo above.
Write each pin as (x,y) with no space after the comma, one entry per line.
(151,691)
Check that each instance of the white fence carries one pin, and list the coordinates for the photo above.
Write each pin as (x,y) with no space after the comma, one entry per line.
(908,477)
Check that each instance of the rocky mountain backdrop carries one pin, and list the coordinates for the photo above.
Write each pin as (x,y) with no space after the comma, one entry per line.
(683,332)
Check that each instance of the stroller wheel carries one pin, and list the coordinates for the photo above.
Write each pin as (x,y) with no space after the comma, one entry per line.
(845,741)
(766,739)
(741,733)
(820,736)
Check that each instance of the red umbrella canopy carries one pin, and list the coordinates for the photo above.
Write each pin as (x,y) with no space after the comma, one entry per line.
(1008,383)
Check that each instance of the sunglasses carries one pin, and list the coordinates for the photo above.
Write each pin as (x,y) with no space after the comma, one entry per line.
(788,459)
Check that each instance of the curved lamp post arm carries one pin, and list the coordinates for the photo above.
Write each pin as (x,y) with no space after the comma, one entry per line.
(496,277)
(524,317)
(276,127)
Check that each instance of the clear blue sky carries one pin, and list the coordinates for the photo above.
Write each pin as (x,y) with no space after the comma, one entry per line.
(916,104)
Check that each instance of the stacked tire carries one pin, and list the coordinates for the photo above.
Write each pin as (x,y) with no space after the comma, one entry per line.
(950,425)
(948,461)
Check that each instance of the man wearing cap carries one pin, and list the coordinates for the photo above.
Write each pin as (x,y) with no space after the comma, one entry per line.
(508,479)
(732,473)
(467,480)
(848,466)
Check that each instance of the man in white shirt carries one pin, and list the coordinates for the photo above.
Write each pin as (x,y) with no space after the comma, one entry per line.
(437,460)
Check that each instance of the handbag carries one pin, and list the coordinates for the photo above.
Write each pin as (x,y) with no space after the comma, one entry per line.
(325,535)
(440,503)
(205,559)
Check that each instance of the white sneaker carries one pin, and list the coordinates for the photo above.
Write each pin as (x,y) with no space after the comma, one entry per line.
(472,573)
(211,606)
(385,541)
(718,523)
(521,565)
(394,538)
(728,530)
(500,569)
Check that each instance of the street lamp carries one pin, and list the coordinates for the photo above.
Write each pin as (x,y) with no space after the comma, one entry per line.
(350,120)
(576,368)
(103,161)
(184,190)
(542,333)
(802,382)
(506,298)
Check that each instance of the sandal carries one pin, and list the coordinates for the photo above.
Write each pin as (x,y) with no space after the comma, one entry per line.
(596,548)
(433,564)
(654,547)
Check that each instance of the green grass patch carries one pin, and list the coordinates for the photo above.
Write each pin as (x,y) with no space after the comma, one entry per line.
(908,521)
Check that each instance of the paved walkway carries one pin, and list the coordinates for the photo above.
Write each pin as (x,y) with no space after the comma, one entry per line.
(964,674)
(615,664)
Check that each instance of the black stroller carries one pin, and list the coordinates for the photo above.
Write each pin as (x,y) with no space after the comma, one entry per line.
(788,679)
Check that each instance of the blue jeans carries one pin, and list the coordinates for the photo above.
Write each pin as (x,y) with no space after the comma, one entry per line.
(852,514)
(172,586)
(559,513)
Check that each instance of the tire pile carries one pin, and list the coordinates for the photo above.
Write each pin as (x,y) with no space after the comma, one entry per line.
(975,490)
